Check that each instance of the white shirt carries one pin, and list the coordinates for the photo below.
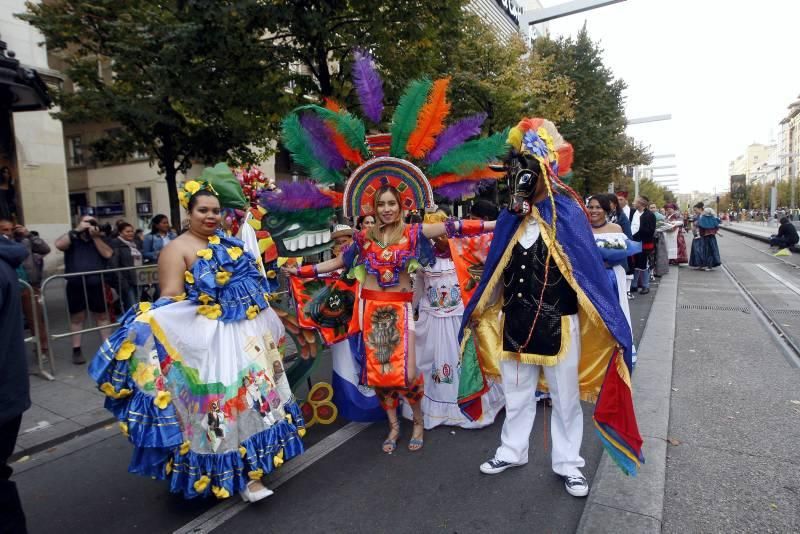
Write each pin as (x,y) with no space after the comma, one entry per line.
(531,232)
(627,210)
(635,222)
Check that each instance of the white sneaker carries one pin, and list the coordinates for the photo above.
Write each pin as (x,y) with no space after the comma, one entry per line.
(576,485)
(495,466)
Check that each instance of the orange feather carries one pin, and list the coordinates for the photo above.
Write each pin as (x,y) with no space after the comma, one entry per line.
(481,174)
(430,121)
(349,153)
(332,105)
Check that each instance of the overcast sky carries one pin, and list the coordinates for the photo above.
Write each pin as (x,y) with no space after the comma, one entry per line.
(725,69)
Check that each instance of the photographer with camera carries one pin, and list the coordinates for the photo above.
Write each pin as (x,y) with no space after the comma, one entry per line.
(85,249)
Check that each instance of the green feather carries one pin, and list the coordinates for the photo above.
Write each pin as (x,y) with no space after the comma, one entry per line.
(298,142)
(471,155)
(351,128)
(405,115)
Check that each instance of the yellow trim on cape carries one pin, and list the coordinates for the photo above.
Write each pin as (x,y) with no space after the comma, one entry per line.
(597,342)
(541,359)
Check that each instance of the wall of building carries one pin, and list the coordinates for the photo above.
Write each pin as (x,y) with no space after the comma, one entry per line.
(39,165)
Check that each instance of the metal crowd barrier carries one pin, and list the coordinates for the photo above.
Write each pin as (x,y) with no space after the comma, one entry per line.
(146,276)
(42,362)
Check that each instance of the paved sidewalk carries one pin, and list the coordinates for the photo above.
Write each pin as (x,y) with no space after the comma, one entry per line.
(759,231)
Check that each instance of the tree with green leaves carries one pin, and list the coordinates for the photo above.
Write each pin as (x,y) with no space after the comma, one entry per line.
(597,126)
(189,80)
(406,37)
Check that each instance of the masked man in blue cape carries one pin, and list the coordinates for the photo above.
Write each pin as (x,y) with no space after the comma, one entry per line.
(544,306)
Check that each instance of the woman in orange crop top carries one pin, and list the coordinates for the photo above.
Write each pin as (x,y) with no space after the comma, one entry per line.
(382,258)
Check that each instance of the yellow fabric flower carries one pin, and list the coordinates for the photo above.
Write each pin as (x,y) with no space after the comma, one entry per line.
(213,311)
(109,390)
(289,418)
(205,253)
(185,447)
(145,307)
(183,198)
(278,461)
(301,432)
(123,427)
(256,475)
(178,298)
(125,351)
(213,239)
(144,373)
(192,187)
(222,277)
(235,253)
(220,493)
(271,274)
(168,467)
(162,399)
(243,452)
(204,298)
(201,485)
(188,277)
(252,312)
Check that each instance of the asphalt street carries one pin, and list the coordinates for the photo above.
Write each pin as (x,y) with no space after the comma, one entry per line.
(732,462)
(83,485)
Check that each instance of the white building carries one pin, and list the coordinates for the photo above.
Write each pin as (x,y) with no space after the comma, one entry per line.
(31,140)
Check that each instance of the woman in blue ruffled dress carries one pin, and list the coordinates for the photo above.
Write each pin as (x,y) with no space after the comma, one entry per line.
(615,247)
(196,379)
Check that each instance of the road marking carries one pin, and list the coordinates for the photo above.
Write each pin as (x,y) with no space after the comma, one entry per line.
(230,507)
(779,279)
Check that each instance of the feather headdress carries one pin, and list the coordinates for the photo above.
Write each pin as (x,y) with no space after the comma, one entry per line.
(423,149)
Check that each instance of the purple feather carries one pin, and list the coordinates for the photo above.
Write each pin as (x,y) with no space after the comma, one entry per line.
(321,145)
(369,85)
(294,196)
(457,190)
(454,135)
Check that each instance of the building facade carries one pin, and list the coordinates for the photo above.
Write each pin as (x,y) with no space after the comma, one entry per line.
(31,140)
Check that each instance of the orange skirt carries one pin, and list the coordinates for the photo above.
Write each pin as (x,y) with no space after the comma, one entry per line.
(386,320)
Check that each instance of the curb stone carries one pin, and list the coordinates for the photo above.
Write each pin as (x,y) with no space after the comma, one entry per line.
(617,503)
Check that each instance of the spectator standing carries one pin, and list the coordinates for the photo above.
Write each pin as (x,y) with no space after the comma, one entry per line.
(622,201)
(33,274)
(8,195)
(161,233)
(138,238)
(85,250)
(786,236)
(14,385)
(126,254)
(644,223)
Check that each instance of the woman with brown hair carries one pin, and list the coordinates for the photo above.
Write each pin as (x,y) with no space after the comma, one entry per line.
(382,258)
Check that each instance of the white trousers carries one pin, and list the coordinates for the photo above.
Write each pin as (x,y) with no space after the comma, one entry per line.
(566,427)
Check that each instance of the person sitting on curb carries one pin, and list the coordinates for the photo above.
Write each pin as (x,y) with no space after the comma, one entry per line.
(786,236)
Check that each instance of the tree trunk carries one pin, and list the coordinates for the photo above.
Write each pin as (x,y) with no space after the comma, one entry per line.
(325,86)
(170,174)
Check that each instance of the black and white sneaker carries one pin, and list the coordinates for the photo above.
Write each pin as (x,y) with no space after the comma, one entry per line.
(494,466)
(576,485)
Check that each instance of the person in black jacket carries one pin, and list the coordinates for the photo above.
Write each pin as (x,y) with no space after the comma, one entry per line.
(126,254)
(645,234)
(14,387)
(787,235)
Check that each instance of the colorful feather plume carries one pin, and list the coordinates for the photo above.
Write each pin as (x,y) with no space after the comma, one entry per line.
(322,146)
(430,121)
(351,129)
(298,141)
(332,104)
(454,135)
(369,85)
(349,153)
(471,156)
(405,115)
(294,196)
